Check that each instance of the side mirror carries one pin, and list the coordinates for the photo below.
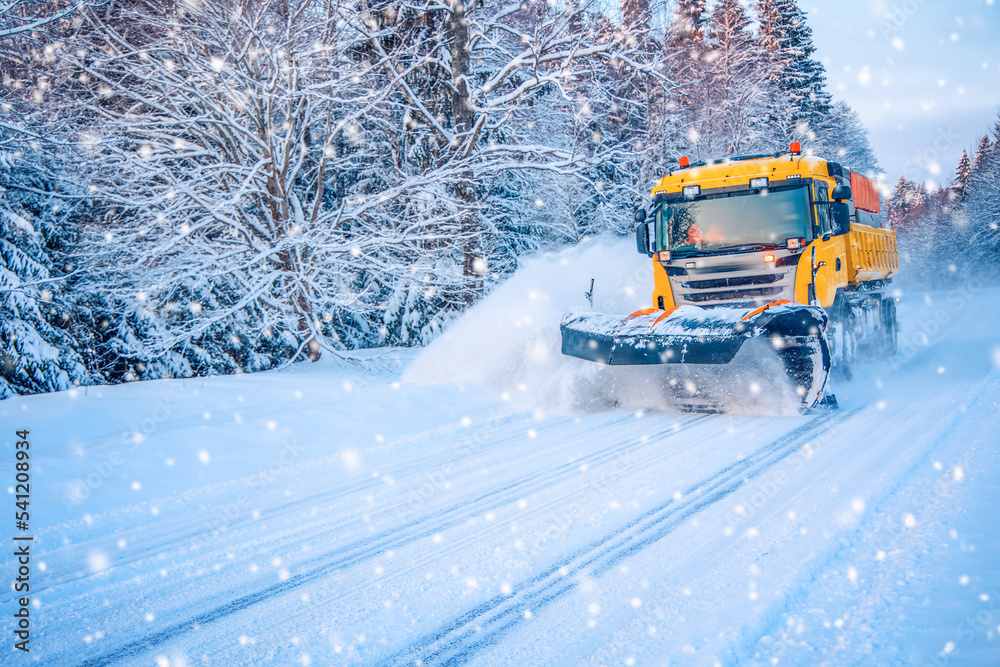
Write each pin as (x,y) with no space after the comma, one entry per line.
(840,215)
(642,239)
(841,192)
(640,215)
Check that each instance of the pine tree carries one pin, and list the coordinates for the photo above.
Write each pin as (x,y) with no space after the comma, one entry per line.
(982,206)
(733,45)
(636,14)
(982,153)
(689,21)
(637,98)
(963,174)
(785,35)
(684,42)
(906,197)
(844,138)
(36,353)
(633,90)
(683,46)
(737,99)
(934,241)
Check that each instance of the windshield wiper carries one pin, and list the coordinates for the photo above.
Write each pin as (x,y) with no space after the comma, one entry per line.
(746,247)
(743,247)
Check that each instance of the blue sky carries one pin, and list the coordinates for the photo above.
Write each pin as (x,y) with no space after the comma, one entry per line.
(923,74)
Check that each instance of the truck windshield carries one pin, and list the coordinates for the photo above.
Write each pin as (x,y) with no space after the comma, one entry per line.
(729,223)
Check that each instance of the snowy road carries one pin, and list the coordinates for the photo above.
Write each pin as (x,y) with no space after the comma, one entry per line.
(334,514)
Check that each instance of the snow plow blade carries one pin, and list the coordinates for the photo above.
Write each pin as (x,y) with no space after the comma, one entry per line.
(715,358)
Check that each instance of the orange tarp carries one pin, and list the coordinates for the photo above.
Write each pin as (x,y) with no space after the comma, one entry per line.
(865,193)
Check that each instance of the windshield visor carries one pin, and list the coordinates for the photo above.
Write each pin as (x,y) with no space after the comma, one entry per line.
(730,222)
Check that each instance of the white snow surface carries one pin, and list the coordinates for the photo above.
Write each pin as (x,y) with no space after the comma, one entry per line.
(397,506)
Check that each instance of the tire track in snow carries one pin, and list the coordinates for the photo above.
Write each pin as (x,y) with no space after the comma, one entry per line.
(940,432)
(163,536)
(487,623)
(365,548)
(556,501)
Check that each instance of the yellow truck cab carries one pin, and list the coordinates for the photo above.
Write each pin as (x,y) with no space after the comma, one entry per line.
(778,228)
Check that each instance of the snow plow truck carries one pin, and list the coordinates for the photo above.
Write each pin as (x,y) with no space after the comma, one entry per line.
(770,271)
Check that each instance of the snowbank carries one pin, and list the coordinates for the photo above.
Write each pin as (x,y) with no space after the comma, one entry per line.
(510,341)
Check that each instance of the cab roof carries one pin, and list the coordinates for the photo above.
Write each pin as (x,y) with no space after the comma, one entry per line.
(739,171)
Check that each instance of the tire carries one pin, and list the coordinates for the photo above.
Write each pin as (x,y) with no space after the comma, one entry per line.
(845,339)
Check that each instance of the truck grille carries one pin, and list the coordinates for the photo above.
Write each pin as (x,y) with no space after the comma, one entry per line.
(733,295)
(742,281)
(742,278)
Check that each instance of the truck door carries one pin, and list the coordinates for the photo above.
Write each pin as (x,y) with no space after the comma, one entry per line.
(833,274)
(823,224)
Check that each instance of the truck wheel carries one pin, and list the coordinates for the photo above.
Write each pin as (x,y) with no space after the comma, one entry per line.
(845,339)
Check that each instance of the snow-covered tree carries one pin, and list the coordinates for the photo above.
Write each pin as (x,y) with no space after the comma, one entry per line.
(784,33)
(528,85)
(982,207)
(935,239)
(637,95)
(220,223)
(739,93)
(687,30)
(951,234)
(36,352)
(844,138)
(963,174)
(636,14)
(343,179)
(683,108)
(19,18)
(906,196)
(983,151)
(738,100)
